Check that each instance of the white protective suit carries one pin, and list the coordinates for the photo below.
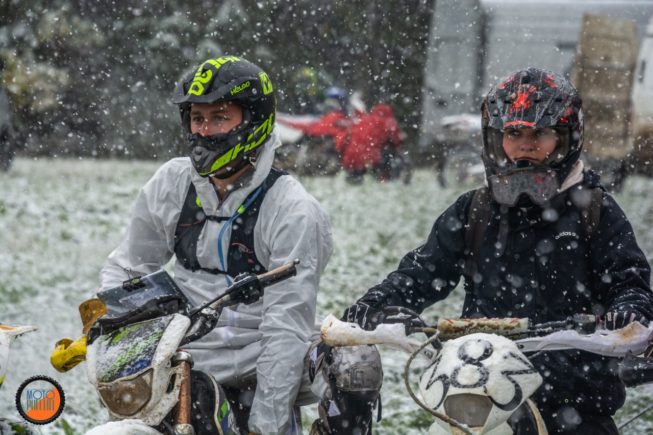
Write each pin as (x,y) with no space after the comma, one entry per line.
(267,339)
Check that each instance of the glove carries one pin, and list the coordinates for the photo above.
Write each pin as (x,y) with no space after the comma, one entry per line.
(365,315)
(619,319)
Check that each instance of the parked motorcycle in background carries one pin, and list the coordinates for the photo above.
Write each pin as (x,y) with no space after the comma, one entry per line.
(461,146)
(346,136)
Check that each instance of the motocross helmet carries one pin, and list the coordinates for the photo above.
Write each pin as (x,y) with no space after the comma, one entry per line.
(235,79)
(335,98)
(531,98)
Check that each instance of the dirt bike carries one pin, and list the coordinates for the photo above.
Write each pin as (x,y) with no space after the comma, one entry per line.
(460,142)
(307,154)
(135,357)
(478,374)
(7,335)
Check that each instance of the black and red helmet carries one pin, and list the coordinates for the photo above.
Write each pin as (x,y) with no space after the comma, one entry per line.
(533,98)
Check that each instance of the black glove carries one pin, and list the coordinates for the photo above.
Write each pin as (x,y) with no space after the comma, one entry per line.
(369,317)
(365,315)
(619,319)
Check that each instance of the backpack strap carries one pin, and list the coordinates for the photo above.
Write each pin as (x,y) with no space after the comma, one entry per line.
(478,217)
(591,215)
(240,256)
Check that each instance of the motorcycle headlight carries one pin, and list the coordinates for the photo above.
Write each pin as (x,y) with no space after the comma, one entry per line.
(470,409)
(128,396)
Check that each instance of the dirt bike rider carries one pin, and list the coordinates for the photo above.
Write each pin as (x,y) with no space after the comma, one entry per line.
(225,210)
(536,253)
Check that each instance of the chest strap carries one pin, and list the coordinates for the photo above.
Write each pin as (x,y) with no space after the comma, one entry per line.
(241,257)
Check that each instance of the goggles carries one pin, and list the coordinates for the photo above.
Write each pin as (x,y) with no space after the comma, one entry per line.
(539,184)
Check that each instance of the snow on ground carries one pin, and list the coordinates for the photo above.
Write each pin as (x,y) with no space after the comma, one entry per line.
(60,218)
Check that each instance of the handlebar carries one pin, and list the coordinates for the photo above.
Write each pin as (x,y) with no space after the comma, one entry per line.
(513,328)
(573,333)
(278,274)
(246,288)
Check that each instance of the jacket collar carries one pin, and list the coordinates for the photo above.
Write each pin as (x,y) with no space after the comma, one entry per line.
(209,198)
(575,176)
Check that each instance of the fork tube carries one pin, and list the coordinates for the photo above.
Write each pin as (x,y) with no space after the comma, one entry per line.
(182,411)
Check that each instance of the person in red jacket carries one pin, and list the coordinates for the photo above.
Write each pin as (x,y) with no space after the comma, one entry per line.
(365,141)
(375,138)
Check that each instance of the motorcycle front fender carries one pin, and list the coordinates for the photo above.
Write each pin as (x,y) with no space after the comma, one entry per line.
(122,427)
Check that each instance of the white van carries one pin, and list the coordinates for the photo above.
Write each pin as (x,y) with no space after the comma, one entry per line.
(642,114)
(474,43)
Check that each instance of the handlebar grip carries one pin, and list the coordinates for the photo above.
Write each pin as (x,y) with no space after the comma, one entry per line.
(278,274)
(454,328)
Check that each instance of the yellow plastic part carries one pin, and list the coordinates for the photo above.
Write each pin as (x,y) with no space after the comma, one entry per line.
(68,353)
(90,311)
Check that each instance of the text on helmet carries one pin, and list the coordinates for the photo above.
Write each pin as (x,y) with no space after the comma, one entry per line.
(205,73)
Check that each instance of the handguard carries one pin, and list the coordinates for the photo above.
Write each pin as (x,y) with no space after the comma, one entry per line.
(7,335)
(68,353)
(633,338)
(335,332)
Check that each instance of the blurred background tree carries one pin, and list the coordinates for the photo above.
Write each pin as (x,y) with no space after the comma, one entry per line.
(94,78)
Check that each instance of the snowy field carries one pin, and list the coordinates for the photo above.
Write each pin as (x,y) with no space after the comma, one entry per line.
(60,218)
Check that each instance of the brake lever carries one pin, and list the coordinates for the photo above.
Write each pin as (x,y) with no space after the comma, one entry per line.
(412,321)
(246,289)
(583,323)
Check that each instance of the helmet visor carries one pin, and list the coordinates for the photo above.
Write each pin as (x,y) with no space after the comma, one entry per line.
(539,184)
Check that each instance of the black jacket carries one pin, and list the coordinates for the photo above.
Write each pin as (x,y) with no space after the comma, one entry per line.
(541,264)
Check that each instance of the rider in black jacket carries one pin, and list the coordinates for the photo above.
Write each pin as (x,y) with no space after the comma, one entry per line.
(538,254)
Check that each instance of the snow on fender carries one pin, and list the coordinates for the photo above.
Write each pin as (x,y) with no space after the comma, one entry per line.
(122,427)
(481,364)
(335,332)
(633,338)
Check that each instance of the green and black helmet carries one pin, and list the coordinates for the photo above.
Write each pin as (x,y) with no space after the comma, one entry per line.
(234,79)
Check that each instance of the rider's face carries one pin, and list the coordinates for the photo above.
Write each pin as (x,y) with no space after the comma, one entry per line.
(531,144)
(215,118)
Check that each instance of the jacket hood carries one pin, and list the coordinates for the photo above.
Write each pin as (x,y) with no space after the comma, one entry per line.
(206,192)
